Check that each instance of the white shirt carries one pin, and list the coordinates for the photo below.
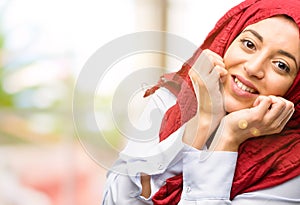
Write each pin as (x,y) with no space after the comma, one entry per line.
(207,176)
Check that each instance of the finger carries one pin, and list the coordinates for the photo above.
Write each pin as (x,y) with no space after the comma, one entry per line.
(289,111)
(287,107)
(277,112)
(279,127)
(216,61)
(214,86)
(279,120)
(207,61)
(213,77)
(214,58)
(289,104)
(196,78)
(203,64)
(222,72)
(257,101)
(261,98)
(262,103)
(195,82)
(288,117)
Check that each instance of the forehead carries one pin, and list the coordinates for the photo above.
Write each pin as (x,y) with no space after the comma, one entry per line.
(280,24)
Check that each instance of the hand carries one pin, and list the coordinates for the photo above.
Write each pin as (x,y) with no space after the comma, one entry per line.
(146,185)
(268,116)
(206,74)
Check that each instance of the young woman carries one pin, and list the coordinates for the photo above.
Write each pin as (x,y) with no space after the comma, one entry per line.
(251,131)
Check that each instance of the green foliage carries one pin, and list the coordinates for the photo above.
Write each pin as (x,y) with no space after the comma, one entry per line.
(6,99)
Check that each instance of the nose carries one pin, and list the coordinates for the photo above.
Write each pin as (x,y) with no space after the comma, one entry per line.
(254,67)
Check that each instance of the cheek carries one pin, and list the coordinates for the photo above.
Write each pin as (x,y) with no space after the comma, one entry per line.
(232,104)
(276,90)
(232,55)
(277,85)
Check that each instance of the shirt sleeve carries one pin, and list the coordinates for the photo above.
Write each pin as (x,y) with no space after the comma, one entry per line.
(126,188)
(207,177)
(122,189)
(123,184)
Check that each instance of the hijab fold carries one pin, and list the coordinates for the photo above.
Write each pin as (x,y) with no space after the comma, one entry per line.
(264,161)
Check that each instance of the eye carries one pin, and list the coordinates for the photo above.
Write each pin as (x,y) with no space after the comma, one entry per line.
(282,66)
(248,44)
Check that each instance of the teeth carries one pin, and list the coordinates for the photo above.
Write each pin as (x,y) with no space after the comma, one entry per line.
(243,87)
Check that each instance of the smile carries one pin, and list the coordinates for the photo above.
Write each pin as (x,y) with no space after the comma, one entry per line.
(244,87)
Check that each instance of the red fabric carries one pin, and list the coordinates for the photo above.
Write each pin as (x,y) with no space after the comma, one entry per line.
(171,192)
(262,162)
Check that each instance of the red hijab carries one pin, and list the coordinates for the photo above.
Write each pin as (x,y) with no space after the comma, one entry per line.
(262,162)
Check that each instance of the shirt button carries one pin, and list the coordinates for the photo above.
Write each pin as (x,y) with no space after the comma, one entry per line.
(160,166)
(188,189)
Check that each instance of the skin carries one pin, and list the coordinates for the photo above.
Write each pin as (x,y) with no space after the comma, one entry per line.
(259,61)
(267,65)
(266,58)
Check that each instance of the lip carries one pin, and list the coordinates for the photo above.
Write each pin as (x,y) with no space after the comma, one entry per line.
(238,91)
(245,82)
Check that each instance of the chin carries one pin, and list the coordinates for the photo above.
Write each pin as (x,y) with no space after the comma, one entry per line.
(232,105)
(229,108)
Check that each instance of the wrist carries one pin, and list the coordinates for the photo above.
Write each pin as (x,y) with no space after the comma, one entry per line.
(197,130)
(146,185)
(226,144)
(225,139)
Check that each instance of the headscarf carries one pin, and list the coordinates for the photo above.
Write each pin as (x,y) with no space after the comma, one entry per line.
(262,162)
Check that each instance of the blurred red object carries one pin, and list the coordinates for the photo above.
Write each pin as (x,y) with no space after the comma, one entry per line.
(63,173)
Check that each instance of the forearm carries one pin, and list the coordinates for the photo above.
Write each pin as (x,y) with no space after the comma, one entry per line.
(198,130)
(227,138)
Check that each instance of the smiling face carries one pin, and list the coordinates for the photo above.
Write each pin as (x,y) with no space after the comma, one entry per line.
(263,60)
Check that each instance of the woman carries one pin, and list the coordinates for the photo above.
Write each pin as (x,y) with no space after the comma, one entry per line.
(256,158)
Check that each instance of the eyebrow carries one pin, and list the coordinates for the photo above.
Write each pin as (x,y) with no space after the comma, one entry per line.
(257,35)
(287,54)
(282,52)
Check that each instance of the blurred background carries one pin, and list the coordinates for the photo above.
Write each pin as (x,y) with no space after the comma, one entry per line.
(43,46)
